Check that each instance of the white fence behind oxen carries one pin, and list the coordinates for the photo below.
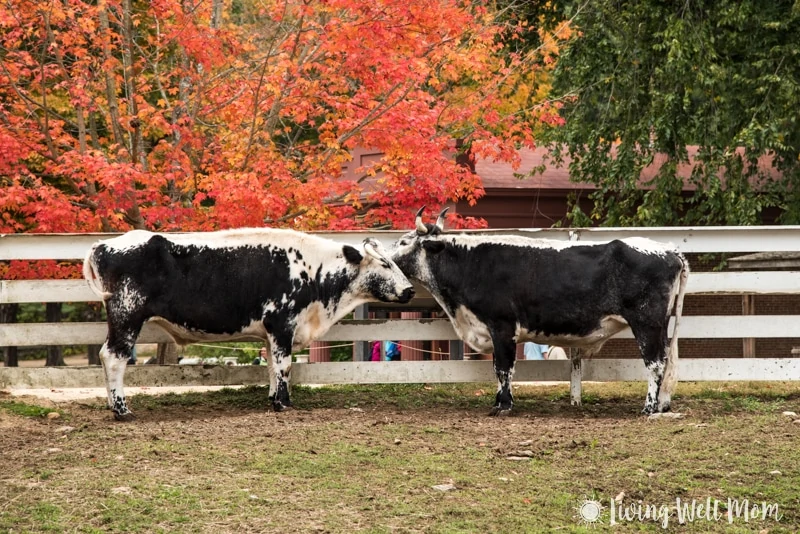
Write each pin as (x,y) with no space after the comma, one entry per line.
(735,240)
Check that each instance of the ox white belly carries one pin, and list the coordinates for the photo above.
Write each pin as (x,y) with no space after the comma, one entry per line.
(310,323)
(183,336)
(472,330)
(609,326)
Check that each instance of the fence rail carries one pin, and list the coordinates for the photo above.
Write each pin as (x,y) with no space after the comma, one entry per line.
(688,240)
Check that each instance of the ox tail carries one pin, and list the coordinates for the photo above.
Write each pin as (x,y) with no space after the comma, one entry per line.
(671,370)
(91,276)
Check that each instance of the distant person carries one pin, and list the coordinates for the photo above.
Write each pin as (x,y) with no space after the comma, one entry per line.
(375,353)
(535,351)
(557,353)
(261,359)
(392,350)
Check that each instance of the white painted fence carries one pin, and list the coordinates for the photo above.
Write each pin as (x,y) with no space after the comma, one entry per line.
(688,240)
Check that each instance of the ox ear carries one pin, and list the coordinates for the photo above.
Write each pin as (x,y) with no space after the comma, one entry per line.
(433,247)
(352,255)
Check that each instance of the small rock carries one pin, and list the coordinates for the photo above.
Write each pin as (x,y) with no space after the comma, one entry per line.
(789,414)
(796,421)
(527,454)
(619,497)
(504,479)
(444,487)
(121,490)
(525,443)
(650,474)
(397,441)
(664,415)
(518,458)
(776,472)
(53,415)
(357,410)
(64,429)
(53,450)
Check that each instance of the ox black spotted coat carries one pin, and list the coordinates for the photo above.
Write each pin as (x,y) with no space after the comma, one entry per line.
(284,287)
(502,290)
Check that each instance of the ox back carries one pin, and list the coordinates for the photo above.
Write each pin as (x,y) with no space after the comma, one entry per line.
(283,287)
(502,290)
(208,292)
(549,293)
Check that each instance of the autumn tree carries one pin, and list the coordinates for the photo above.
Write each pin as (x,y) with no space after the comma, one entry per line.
(650,79)
(192,115)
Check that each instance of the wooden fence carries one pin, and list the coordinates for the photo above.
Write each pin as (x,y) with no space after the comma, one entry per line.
(734,240)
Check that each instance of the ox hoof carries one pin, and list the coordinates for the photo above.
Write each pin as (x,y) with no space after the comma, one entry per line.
(500,411)
(124,417)
(280,407)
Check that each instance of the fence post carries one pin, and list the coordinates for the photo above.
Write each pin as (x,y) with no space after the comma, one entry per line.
(8,314)
(167,353)
(456,349)
(55,353)
(361,349)
(749,308)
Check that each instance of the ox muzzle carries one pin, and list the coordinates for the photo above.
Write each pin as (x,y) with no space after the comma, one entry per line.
(407,294)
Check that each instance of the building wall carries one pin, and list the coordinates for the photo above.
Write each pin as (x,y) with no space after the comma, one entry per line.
(510,208)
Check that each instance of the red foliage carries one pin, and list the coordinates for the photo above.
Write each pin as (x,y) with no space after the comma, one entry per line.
(172,118)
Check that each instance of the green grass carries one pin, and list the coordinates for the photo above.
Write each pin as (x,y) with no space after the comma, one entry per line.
(219,462)
(26,410)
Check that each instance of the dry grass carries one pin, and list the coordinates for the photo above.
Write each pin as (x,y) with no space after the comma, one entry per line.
(366,458)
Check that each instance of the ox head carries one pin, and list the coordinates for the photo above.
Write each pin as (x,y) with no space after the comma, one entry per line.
(378,276)
(410,252)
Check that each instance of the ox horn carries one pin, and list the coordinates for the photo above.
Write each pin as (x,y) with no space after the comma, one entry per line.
(440,220)
(421,228)
(371,248)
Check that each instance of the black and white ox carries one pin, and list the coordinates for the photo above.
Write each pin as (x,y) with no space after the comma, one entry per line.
(280,286)
(502,290)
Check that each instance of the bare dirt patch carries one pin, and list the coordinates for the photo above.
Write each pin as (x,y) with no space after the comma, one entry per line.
(368,458)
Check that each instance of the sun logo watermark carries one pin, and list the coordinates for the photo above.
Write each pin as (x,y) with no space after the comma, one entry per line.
(590,511)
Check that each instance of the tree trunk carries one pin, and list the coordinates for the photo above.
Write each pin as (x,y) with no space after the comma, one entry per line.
(111,82)
(55,354)
(216,14)
(8,314)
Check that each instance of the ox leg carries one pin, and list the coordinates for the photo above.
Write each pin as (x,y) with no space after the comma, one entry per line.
(273,383)
(653,345)
(280,365)
(125,320)
(114,357)
(505,356)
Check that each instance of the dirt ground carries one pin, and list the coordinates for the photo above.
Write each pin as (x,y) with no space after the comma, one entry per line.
(367,460)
